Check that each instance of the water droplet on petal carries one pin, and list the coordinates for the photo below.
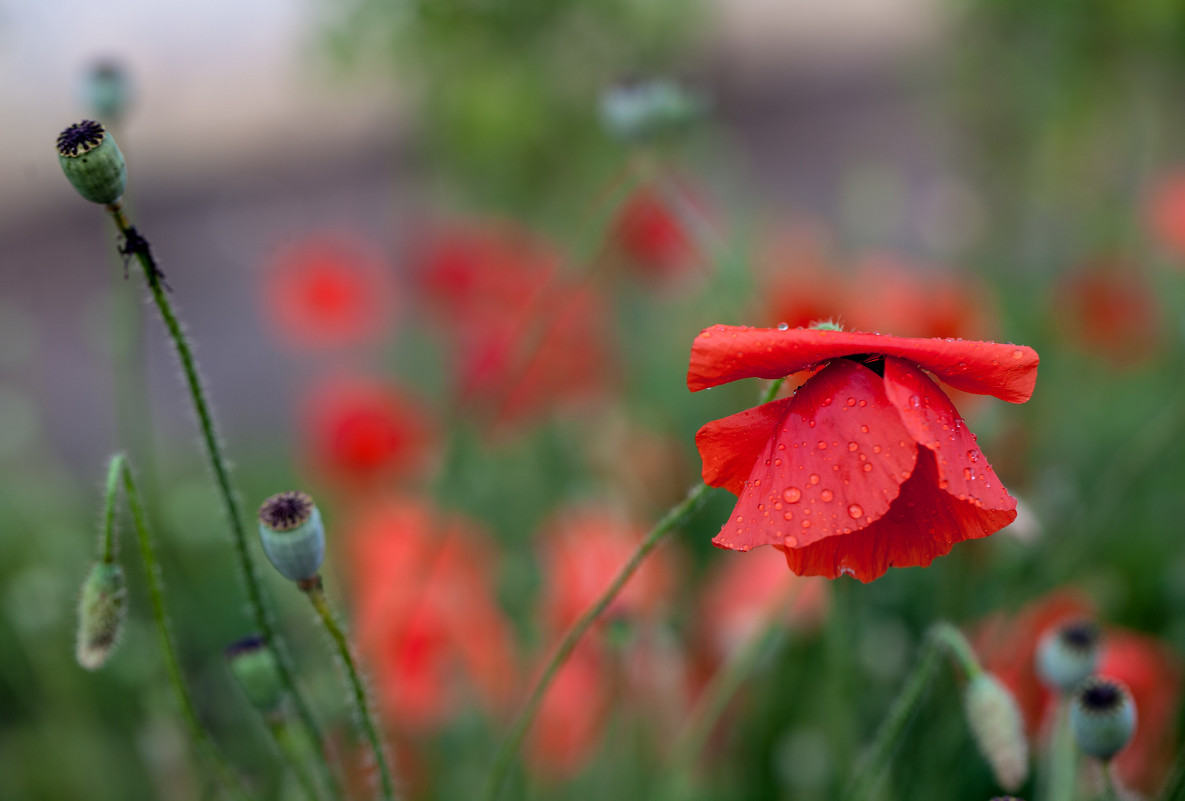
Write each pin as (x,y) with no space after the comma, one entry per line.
(855,511)
(851,401)
(826,495)
(915,401)
(792,495)
(1017,354)
(866,467)
(864,429)
(822,445)
(787,515)
(791,541)
(806,524)
(853,446)
(967,474)
(783,326)
(814,479)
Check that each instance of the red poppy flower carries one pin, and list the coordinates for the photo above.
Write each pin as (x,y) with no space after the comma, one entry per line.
(425,613)
(1165,212)
(653,238)
(328,290)
(572,717)
(1107,308)
(868,465)
(363,430)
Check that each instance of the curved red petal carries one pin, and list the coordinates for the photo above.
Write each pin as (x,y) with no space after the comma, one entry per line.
(832,464)
(731,446)
(923,523)
(933,421)
(726,353)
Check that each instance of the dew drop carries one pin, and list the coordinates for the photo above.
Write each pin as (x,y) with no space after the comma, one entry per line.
(814,479)
(777,462)
(866,467)
(1016,354)
(792,495)
(855,511)
(863,429)
(853,446)
(973,456)
(876,448)
(783,326)
(862,404)
(851,401)
(791,541)
(826,495)
(943,483)
(822,445)
(787,515)
(806,524)
(915,401)
(967,474)
(811,424)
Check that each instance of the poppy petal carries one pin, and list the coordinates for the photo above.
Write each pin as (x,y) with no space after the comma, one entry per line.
(923,523)
(933,421)
(731,446)
(833,464)
(724,353)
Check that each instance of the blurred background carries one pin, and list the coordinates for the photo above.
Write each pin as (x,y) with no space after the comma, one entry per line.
(443,262)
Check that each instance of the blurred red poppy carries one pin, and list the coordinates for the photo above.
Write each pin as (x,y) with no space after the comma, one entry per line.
(1107,309)
(1008,644)
(744,594)
(868,465)
(363,431)
(527,339)
(572,717)
(801,285)
(426,618)
(327,290)
(1164,212)
(653,239)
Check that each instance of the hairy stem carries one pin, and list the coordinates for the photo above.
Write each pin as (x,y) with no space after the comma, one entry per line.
(313,589)
(117,470)
(260,609)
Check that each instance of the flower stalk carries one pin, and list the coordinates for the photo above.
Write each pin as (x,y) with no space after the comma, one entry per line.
(136,245)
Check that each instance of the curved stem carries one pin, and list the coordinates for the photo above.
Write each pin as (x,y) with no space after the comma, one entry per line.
(261,611)
(118,469)
(316,594)
(510,745)
(714,700)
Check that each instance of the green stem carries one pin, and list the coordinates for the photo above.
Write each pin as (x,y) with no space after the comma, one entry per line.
(1062,760)
(713,702)
(1174,788)
(1110,792)
(510,745)
(316,594)
(941,635)
(114,469)
(205,745)
(260,609)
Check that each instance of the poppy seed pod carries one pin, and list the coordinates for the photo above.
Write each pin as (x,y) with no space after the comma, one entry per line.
(292,534)
(253,665)
(996,723)
(1102,717)
(102,606)
(92,162)
(1068,653)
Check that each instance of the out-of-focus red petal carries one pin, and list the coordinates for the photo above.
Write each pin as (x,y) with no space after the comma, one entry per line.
(833,464)
(933,421)
(923,523)
(726,353)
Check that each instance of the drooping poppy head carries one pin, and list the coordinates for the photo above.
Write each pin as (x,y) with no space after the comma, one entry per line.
(868,466)
(329,289)
(426,618)
(361,432)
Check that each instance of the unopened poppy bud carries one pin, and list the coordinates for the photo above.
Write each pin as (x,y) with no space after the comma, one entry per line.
(998,729)
(254,666)
(644,110)
(1102,717)
(292,534)
(106,90)
(102,606)
(92,162)
(1068,653)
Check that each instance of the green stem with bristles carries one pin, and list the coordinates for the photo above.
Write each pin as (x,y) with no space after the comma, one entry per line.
(313,589)
(118,470)
(260,609)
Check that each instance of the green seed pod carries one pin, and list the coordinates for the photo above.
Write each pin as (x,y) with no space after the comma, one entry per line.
(1102,717)
(107,91)
(1068,653)
(292,534)
(92,162)
(253,664)
(102,606)
(996,723)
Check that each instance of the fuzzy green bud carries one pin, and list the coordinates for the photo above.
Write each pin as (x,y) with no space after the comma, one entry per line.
(102,606)
(292,534)
(92,162)
(1068,653)
(106,90)
(254,666)
(1102,717)
(998,729)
